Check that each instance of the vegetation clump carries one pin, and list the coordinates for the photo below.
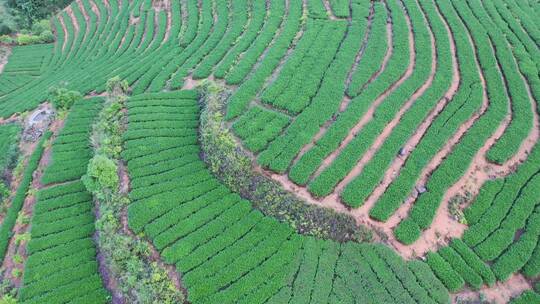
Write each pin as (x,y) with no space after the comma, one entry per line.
(127,258)
(62,98)
(230,163)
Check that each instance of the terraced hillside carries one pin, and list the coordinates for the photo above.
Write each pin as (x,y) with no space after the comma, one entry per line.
(416,119)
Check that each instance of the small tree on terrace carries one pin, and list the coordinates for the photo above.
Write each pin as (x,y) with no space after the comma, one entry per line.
(116,87)
(62,98)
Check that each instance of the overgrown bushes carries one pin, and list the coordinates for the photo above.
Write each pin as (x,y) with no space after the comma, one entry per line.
(233,167)
(128,259)
(20,195)
(62,98)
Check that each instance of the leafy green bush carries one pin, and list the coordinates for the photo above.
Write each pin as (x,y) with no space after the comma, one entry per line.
(101,174)
(62,98)
(25,39)
(5,39)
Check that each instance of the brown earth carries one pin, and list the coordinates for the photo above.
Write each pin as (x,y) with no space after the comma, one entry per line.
(368,116)
(4,57)
(61,20)
(411,144)
(74,22)
(387,131)
(28,207)
(500,293)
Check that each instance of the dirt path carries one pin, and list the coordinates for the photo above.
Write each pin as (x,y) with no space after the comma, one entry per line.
(368,116)
(500,293)
(444,226)
(4,55)
(431,238)
(360,54)
(166,6)
(95,10)
(411,144)
(85,15)
(346,99)
(61,20)
(329,10)
(388,129)
(386,58)
(277,71)
(74,22)
(14,249)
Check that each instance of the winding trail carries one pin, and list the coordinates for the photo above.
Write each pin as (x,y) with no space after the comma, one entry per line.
(14,249)
(388,129)
(347,99)
(64,29)
(4,58)
(368,116)
(411,144)
(501,292)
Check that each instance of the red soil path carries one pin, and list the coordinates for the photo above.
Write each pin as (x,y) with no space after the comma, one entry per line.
(411,144)
(61,20)
(368,116)
(501,292)
(28,209)
(4,58)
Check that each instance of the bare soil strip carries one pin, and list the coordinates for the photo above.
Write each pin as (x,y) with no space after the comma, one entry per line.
(85,14)
(74,22)
(366,158)
(346,99)
(501,292)
(61,20)
(95,10)
(275,74)
(13,249)
(387,56)
(411,144)
(165,5)
(368,116)
(360,54)
(430,239)
(329,11)
(4,57)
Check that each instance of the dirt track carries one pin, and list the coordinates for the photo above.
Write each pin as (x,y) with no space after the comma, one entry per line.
(501,292)
(368,116)
(27,209)
(411,144)
(4,59)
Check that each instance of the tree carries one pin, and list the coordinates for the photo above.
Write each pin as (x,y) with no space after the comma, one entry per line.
(62,98)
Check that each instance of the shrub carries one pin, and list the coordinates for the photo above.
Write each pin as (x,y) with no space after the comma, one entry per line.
(46,36)
(25,39)
(101,175)
(5,39)
(62,98)
(41,26)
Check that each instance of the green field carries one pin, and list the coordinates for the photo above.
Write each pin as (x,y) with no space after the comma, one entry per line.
(280,151)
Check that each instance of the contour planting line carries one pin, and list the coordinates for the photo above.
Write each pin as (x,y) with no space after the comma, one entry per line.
(28,208)
(420,133)
(369,115)
(388,129)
